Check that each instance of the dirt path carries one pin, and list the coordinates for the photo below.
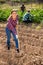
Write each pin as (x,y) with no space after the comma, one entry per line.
(30,42)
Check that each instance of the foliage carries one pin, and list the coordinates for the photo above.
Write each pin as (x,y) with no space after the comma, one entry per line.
(21,14)
(4,13)
(37,15)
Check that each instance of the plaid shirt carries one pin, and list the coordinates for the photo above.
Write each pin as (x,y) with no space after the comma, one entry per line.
(11,25)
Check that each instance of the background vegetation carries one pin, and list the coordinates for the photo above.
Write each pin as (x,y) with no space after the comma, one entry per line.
(35,6)
(37,14)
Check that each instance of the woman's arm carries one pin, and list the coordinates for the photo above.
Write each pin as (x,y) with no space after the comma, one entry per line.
(8,17)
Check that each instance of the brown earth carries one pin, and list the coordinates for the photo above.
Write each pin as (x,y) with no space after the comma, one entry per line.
(30,44)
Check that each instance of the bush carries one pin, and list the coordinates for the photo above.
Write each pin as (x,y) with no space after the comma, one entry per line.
(21,14)
(4,13)
(37,15)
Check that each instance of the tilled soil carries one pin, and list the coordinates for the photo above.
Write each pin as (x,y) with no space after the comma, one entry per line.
(30,44)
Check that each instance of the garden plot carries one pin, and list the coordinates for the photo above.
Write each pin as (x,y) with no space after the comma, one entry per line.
(30,43)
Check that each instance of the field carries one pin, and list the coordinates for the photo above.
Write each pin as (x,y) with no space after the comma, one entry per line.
(30,38)
(30,44)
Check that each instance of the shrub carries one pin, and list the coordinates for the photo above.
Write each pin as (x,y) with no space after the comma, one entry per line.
(4,13)
(37,15)
(21,14)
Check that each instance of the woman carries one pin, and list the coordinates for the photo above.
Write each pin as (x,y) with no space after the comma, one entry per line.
(12,28)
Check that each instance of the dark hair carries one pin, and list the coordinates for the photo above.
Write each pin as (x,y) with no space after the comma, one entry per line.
(23,4)
(12,12)
(28,10)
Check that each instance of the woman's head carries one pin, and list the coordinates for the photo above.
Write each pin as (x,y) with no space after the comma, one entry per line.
(14,11)
(14,14)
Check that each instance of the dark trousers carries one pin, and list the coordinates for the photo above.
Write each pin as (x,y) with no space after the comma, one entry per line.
(28,21)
